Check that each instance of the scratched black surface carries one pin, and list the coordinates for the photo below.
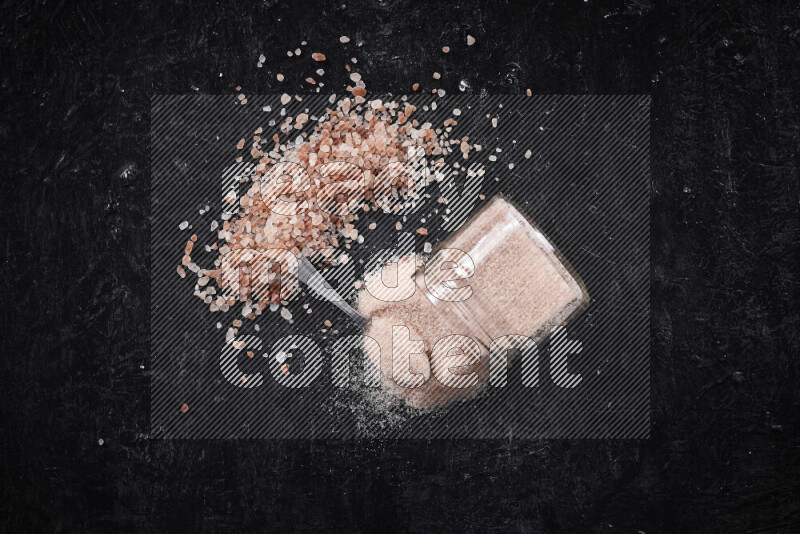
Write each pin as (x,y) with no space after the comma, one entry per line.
(725,449)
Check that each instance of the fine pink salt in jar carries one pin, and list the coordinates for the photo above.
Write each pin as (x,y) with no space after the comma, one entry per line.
(520,284)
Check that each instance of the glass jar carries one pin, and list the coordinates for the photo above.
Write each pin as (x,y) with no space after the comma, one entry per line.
(499,275)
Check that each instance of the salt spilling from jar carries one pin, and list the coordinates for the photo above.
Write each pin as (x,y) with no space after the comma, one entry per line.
(497,276)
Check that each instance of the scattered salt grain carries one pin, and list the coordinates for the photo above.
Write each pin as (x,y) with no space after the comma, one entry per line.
(470,40)
(184,225)
(344,39)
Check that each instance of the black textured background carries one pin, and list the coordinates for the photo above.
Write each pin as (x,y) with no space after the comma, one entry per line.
(724,454)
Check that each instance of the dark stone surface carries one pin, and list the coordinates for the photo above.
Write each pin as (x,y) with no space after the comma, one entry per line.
(74,139)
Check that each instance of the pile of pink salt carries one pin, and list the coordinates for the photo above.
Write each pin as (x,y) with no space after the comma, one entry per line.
(424,323)
(361,156)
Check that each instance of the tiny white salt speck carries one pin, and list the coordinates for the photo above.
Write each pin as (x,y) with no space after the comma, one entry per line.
(427,247)
(262,58)
(100,442)
(441,92)
(344,39)
(184,225)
